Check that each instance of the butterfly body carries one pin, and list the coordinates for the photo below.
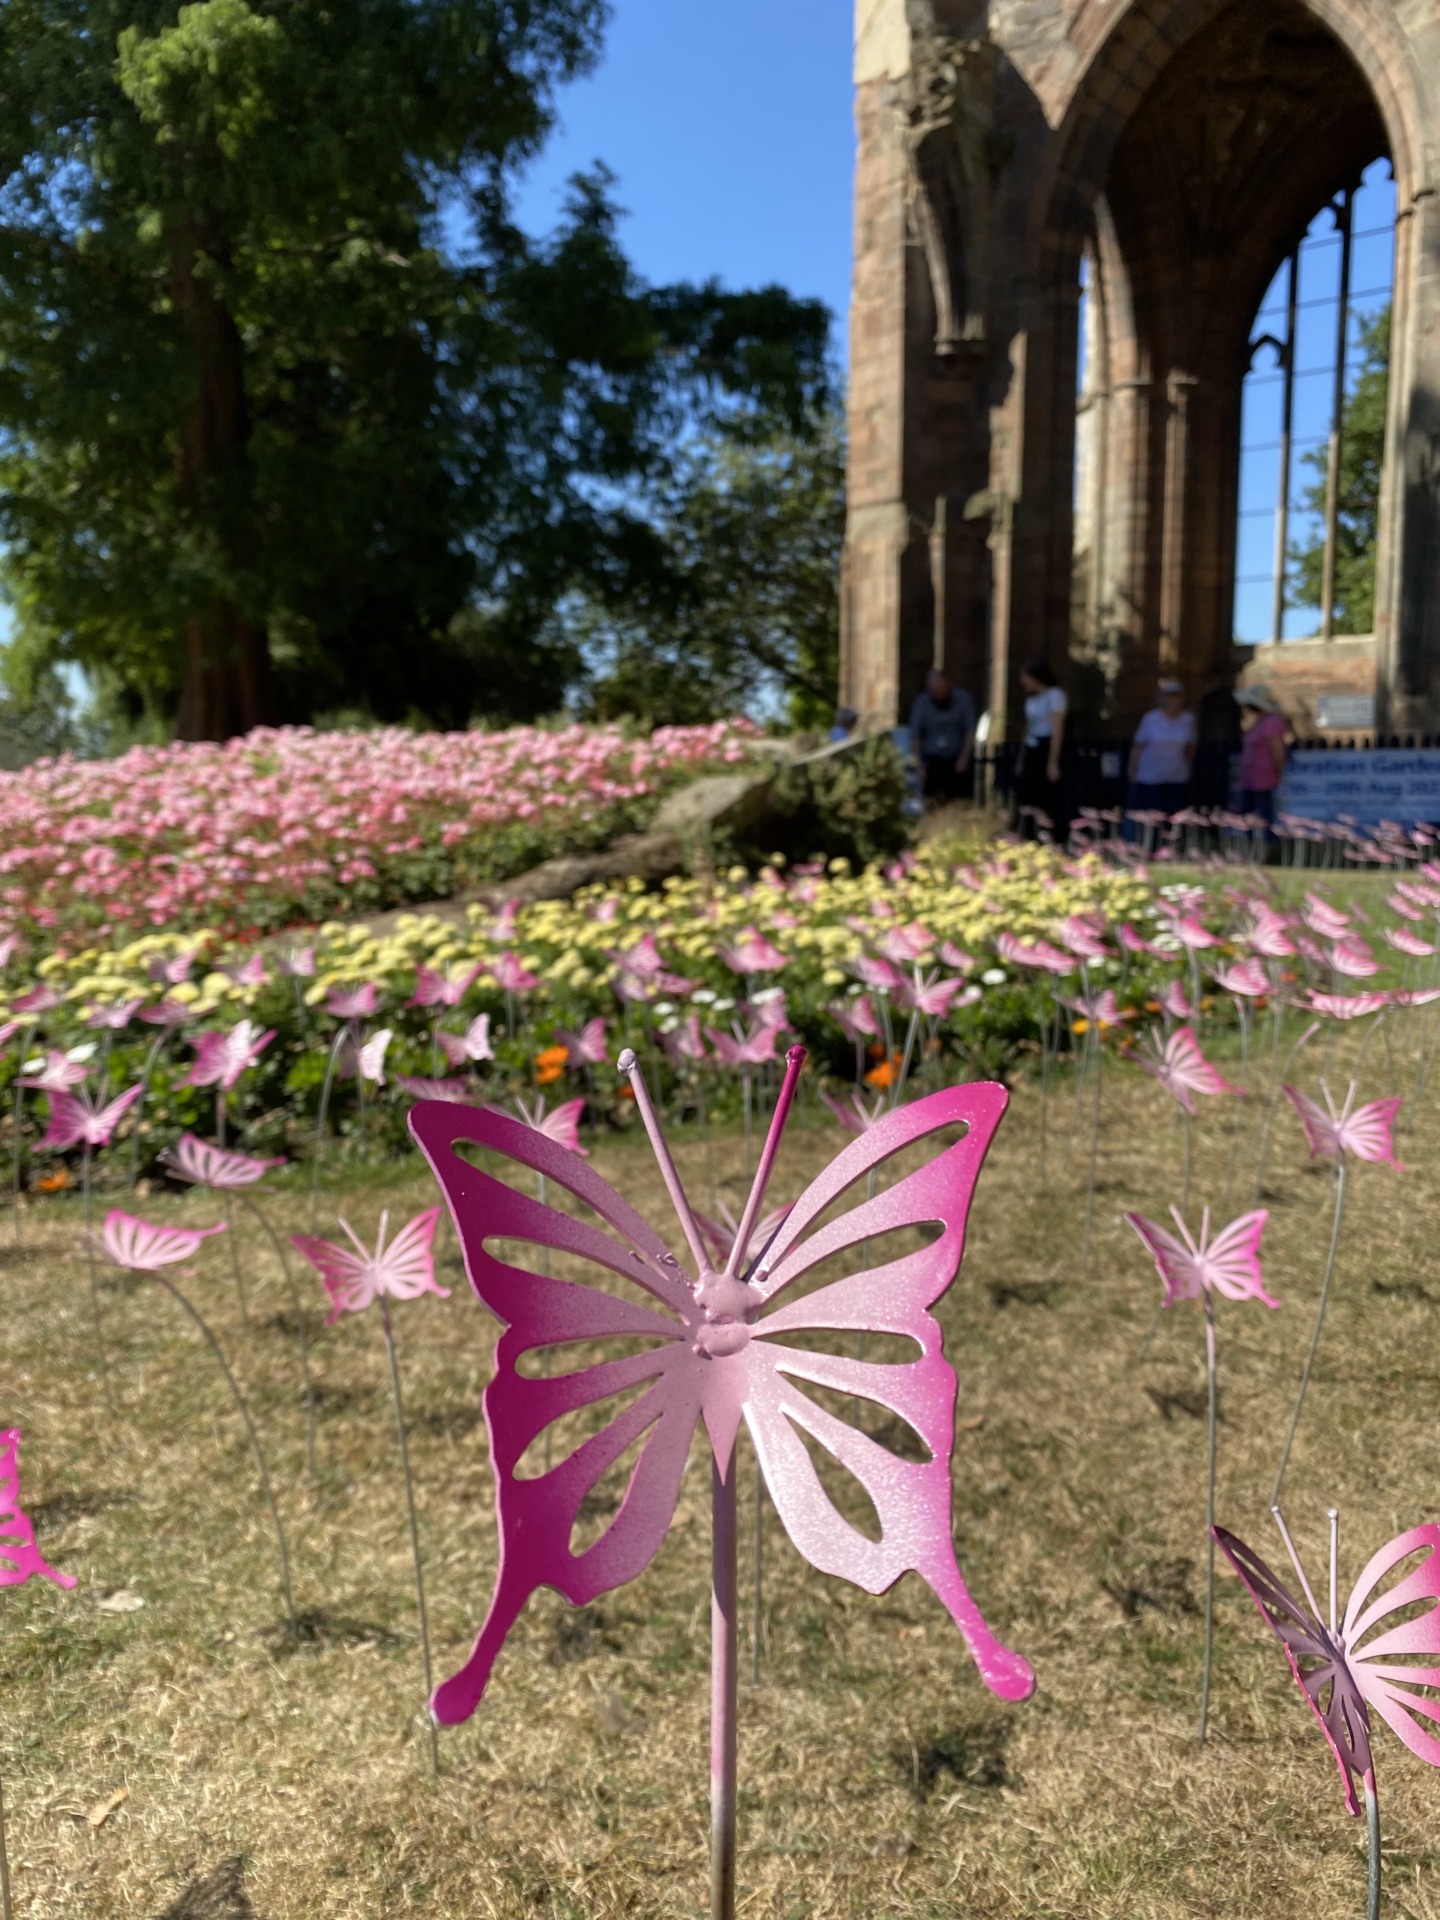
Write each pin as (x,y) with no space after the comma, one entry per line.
(718,1355)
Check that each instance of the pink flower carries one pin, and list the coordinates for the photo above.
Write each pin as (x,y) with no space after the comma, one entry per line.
(933,996)
(247,973)
(135,1244)
(221,1058)
(355,1279)
(881,976)
(166,1013)
(297,963)
(211,1166)
(752,953)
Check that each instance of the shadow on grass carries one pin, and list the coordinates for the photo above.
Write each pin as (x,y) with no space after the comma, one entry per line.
(973,1755)
(217,1895)
(318,1629)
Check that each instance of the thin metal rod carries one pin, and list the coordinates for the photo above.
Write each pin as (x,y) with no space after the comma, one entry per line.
(235,1261)
(6,1912)
(1212,1433)
(1372,1835)
(694,1239)
(1334,1519)
(1282,509)
(724,1691)
(1345,222)
(95,1285)
(17,1121)
(414,1531)
(794,1063)
(279,1245)
(1094,1154)
(164,1280)
(151,1058)
(331,1061)
(1273,1107)
(1319,1324)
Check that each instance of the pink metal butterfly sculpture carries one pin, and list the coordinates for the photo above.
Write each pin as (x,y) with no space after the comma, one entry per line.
(221,1058)
(354,1277)
(1367,1659)
(720,1355)
(20,1558)
(1230,1263)
(460,1049)
(418,1087)
(586,1048)
(1182,1069)
(143,1248)
(562,1124)
(78,1119)
(435,987)
(206,1165)
(1357,1133)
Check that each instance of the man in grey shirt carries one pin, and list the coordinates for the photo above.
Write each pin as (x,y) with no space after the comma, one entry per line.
(942,737)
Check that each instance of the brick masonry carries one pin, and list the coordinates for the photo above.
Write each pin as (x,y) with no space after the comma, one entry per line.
(1185,144)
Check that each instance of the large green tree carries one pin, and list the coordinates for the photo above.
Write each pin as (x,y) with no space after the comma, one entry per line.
(744,612)
(293,416)
(1362,460)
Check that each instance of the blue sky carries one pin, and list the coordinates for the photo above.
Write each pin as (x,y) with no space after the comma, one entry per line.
(731,131)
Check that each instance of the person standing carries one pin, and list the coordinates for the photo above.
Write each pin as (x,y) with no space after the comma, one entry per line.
(1264,754)
(942,738)
(1162,758)
(1040,765)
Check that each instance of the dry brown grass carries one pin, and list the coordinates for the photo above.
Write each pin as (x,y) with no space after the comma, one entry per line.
(878,1777)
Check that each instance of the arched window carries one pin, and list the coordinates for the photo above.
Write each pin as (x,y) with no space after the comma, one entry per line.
(1313,426)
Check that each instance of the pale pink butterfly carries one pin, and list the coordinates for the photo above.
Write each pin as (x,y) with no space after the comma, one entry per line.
(1346,1006)
(418,1087)
(855,1115)
(1246,979)
(1366,1658)
(1359,1133)
(750,1049)
(207,1165)
(142,1248)
(472,1045)
(436,987)
(511,974)
(855,1018)
(114,1017)
(1323,918)
(221,1058)
(1182,1069)
(1229,1264)
(353,1003)
(365,1061)
(587,1047)
(1404,941)
(1353,958)
(752,953)
(354,1277)
(85,1119)
(560,1124)
(706,1361)
(56,1073)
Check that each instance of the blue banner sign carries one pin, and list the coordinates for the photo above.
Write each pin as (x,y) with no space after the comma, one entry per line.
(1365,786)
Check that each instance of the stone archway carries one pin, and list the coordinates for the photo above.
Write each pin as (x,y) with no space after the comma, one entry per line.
(1186,144)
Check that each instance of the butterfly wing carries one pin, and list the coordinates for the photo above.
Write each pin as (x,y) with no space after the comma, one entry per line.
(1390,1667)
(1231,1262)
(109,1117)
(139,1245)
(1177,1265)
(912,1498)
(407,1265)
(68,1121)
(20,1558)
(1369,1132)
(348,1277)
(537,1515)
(1320,1130)
(563,1127)
(1318,1666)
(1190,1069)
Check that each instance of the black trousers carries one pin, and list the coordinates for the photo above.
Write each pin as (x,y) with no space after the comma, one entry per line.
(1035,788)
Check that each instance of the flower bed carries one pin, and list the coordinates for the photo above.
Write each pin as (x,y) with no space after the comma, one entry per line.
(290,825)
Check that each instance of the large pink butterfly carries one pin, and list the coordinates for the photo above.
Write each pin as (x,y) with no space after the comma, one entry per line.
(1182,1069)
(1230,1263)
(1359,1662)
(20,1558)
(353,1276)
(210,1166)
(718,1352)
(142,1248)
(1360,1133)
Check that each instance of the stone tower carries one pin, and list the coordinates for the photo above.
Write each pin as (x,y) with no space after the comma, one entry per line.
(1181,147)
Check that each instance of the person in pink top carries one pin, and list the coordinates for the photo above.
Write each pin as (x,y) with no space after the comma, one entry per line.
(1263,751)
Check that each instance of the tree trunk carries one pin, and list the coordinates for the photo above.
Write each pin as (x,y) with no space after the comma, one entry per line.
(229,683)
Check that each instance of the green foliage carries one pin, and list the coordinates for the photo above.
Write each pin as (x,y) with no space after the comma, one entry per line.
(294,417)
(845,806)
(1362,459)
(743,609)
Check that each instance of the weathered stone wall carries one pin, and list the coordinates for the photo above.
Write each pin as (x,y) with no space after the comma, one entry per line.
(1186,144)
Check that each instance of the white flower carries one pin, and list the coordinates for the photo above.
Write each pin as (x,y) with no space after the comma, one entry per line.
(766,995)
(724,1006)
(662,1007)
(1166,943)
(82,1053)
(702,997)
(996,977)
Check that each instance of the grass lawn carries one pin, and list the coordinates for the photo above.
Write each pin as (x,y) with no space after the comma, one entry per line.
(879,1779)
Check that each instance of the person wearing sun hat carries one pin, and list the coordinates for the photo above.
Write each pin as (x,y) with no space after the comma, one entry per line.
(1162,758)
(1263,751)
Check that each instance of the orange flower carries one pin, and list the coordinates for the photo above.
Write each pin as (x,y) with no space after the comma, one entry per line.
(885,1075)
(1153,1006)
(1079,1026)
(55,1182)
(550,1064)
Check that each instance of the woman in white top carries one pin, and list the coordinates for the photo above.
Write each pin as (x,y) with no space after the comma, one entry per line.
(1039,770)
(1162,759)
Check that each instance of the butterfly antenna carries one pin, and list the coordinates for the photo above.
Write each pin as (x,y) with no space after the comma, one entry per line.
(355,1240)
(630,1067)
(794,1063)
(1334,1571)
(1279,1520)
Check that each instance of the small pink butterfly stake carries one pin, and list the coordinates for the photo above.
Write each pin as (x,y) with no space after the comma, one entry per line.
(1228,1264)
(237,1176)
(1184,1072)
(139,1247)
(1373,1657)
(1354,1133)
(718,1353)
(20,1560)
(354,1278)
